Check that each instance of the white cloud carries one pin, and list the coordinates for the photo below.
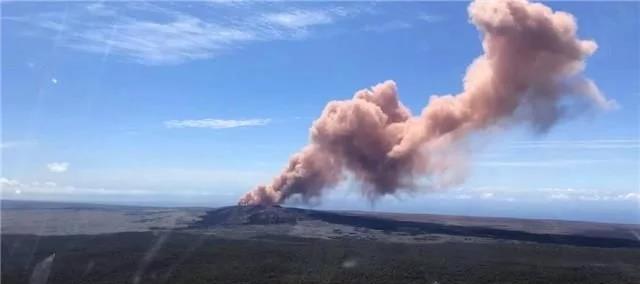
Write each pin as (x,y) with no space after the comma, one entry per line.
(462,196)
(5,182)
(488,192)
(629,196)
(58,167)
(588,194)
(487,195)
(559,196)
(10,186)
(159,33)
(215,123)
(145,183)
(509,194)
(37,188)
(558,190)
(297,19)
(590,197)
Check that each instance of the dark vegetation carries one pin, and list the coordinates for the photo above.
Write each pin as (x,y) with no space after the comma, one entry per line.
(237,215)
(177,257)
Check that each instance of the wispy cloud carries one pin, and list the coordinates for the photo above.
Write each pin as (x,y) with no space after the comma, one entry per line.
(52,191)
(562,196)
(580,144)
(487,195)
(162,34)
(15,188)
(58,167)
(183,39)
(215,123)
(388,26)
(297,19)
(547,163)
(546,194)
(5,182)
(149,182)
(431,18)
(100,9)
(589,195)
(17,144)
(534,164)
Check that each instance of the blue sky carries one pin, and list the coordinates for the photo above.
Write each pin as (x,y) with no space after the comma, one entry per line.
(196,103)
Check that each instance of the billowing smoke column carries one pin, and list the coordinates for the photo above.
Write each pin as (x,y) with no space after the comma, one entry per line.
(530,73)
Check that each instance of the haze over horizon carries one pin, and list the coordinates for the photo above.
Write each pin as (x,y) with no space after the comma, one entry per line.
(196,103)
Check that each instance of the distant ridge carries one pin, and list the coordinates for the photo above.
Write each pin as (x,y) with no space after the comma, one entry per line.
(268,215)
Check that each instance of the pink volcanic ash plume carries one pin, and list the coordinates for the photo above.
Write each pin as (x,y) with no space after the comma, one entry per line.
(530,72)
